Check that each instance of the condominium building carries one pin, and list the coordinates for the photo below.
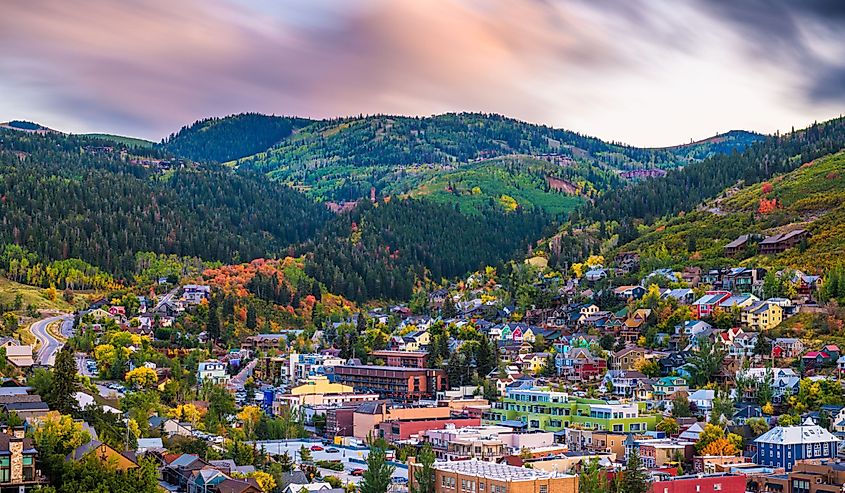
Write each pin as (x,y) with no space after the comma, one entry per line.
(477,476)
(539,408)
(393,382)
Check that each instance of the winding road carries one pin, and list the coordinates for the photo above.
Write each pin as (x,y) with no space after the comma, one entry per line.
(50,345)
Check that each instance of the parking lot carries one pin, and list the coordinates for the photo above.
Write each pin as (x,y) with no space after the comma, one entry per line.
(352,458)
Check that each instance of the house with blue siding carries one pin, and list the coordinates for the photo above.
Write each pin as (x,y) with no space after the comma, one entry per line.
(783,445)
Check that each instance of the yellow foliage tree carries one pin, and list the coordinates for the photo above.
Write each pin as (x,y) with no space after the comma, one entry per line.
(720,446)
(578,270)
(266,481)
(186,412)
(594,260)
(249,416)
(768,409)
(59,432)
(142,377)
(508,202)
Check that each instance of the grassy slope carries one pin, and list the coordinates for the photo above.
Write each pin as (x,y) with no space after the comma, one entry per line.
(120,139)
(494,178)
(811,197)
(31,296)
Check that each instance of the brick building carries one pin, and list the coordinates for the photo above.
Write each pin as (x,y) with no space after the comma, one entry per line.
(701,483)
(404,429)
(393,382)
(405,359)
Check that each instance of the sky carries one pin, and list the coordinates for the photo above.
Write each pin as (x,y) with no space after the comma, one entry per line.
(643,72)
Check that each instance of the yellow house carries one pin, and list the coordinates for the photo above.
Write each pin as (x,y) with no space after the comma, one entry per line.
(533,362)
(528,335)
(762,316)
(103,453)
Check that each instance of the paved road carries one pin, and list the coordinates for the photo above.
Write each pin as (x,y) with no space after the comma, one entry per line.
(165,298)
(240,379)
(49,345)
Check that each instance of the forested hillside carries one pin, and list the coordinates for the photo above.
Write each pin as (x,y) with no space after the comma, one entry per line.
(615,216)
(233,137)
(64,197)
(380,250)
(812,197)
(341,159)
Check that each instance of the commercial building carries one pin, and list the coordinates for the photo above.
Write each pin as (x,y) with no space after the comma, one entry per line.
(701,483)
(539,408)
(807,476)
(477,476)
(487,442)
(403,429)
(392,382)
(340,421)
(405,359)
(369,415)
(318,391)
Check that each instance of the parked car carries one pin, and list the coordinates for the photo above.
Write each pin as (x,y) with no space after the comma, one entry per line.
(316,448)
(357,472)
(398,480)
(332,450)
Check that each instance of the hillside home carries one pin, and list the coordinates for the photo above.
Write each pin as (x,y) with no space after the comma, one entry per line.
(705,305)
(779,243)
(761,316)
(787,347)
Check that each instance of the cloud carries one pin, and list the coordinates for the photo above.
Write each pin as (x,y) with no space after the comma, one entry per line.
(644,72)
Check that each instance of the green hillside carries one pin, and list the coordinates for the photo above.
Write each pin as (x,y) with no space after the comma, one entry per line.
(532,183)
(812,197)
(232,137)
(342,159)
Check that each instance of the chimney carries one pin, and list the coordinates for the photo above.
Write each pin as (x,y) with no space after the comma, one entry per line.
(16,452)
(18,432)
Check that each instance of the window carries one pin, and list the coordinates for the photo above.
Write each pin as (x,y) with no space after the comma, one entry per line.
(544,488)
(717,487)
(617,427)
(480,486)
(5,470)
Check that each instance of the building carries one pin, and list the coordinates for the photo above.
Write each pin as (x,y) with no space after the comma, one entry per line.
(470,442)
(340,421)
(268,342)
(318,391)
(369,415)
(18,471)
(212,371)
(393,382)
(772,245)
(405,359)
(783,445)
(624,359)
(701,483)
(761,315)
(807,476)
(403,429)
(539,408)
(705,305)
(20,355)
(665,388)
(477,476)
(738,246)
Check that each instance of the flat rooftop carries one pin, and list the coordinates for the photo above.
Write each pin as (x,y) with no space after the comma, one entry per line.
(498,472)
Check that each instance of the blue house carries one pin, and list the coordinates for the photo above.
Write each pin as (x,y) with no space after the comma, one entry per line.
(783,445)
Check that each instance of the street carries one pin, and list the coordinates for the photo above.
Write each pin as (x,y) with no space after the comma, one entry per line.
(240,379)
(344,455)
(165,298)
(50,345)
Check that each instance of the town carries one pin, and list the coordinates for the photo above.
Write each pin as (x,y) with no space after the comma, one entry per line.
(726,379)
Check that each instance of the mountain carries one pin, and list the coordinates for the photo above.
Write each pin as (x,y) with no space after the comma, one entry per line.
(65,196)
(720,144)
(233,137)
(811,197)
(120,139)
(342,159)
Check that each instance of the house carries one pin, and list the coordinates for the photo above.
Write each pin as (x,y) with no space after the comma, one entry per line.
(784,381)
(832,350)
(761,316)
(738,246)
(705,305)
(625,383)
(787,347)
(783,445)
(816,359)
(738,301)
(103,453)
(231,485)
(212,371)
(702,399)
(579,364)
(18,469)
(20,355)
(624,359)
(194,293)
(685,296)
(595,274)
(743,279)
(779,243)
(665,388)
(743,344)
(629,292)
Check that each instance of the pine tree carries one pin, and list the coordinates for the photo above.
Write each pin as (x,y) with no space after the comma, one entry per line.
(634,479)
(424,474)
(212,326)
(361,323)
(251,317)
(65,382)
(376,478)
(485,358)
(448,310)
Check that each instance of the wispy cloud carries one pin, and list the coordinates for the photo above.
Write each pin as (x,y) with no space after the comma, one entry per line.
(649,73)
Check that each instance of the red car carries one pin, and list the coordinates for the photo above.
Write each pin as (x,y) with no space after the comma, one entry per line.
(357,472)
(316,448)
